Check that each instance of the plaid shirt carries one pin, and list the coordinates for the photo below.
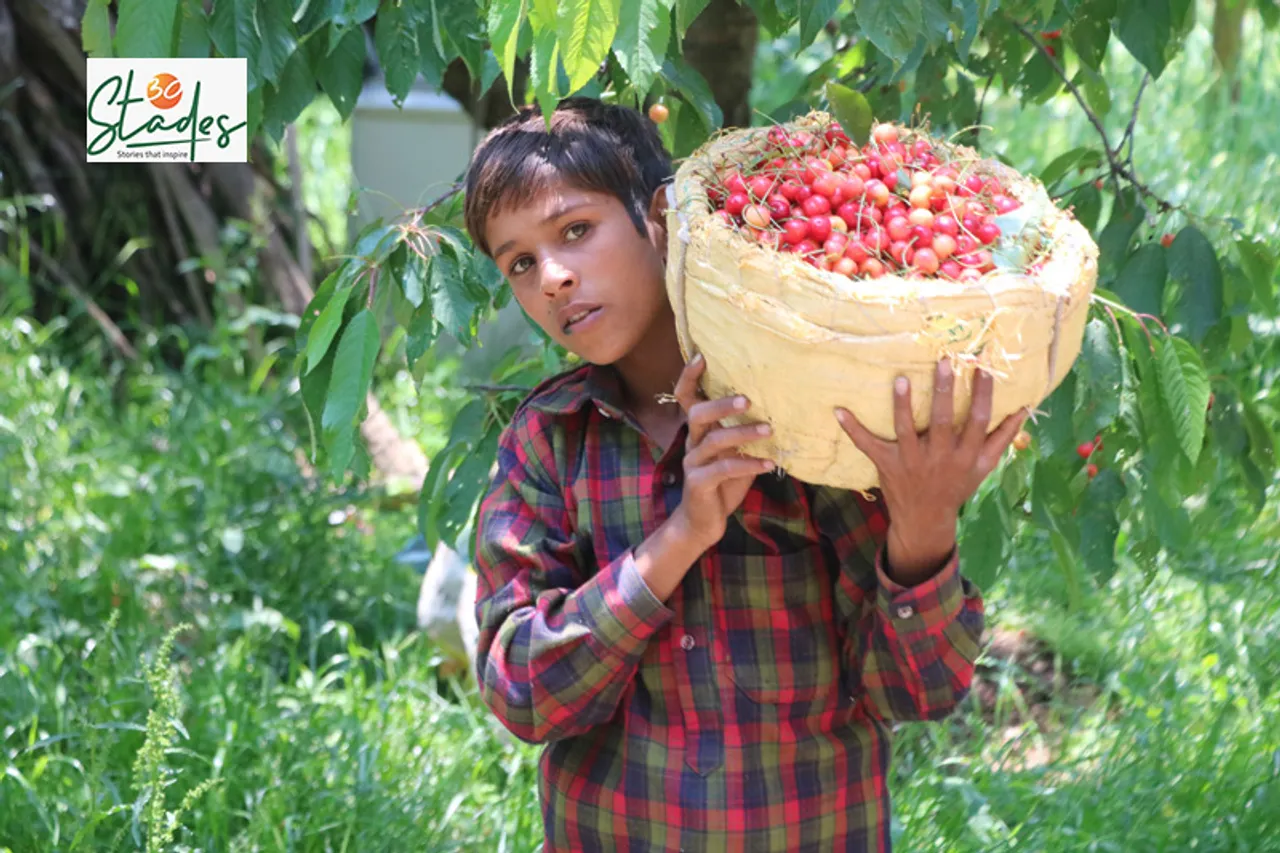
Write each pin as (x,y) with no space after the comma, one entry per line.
(749,712)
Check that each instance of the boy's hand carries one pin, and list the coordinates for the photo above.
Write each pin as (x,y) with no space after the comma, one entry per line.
(926,478)
(716,477)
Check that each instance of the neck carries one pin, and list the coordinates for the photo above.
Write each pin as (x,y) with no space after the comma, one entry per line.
(652,369)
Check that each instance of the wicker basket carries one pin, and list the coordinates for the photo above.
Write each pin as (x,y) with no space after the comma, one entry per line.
(799,341)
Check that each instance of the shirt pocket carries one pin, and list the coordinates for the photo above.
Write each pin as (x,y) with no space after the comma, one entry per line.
(777,626)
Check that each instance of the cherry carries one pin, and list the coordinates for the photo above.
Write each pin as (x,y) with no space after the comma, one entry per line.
(815,205)
(878,192)
(921,236)
(1092,470)
(921,216)
(890,179)
(736,203)
(735,184)
(794,231)
(756,215)
(884,133)
(871,268)
(1051,35)
(1085,450)
(1166,240)
(658,113)
(946,224)
(1022,440)
(921,196)
(944,245)
(856,251)
(808,247)
(723,216)
(760,186)
(845,266)
(966,244)
(898,228)
(926,261)
(950,269)
(838,225)
(1004,204)
(988,233)
(827,185)
(819,227)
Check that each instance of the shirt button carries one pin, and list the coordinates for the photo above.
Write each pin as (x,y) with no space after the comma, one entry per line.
(906,611)
(687,642)
(669,478)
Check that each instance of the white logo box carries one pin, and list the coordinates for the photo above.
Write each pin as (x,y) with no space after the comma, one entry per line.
(183,110)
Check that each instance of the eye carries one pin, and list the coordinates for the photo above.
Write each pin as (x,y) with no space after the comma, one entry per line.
(518,265)
(578,228)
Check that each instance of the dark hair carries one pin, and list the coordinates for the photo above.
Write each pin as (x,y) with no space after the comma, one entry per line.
(590,145)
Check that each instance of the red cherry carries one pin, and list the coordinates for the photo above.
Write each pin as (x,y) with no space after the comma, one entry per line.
(890,179)
(1166,240)
(779,207)
(760,186)
(815,205)
(899,228)
(863,171)
(794,231)
(834,245)
(1085,450)
(1051,35)
(845,266)
(901,252)
(871,268)
(950,269)
(1004,204)
(803,193)
(974,184)
(851,214)
(735,184)
(945,223)
(1091,469)
(790,189)
(827,184)
(875,239)
(735,204)
(878,192)
(966,244)
(925,261)
(944,246)
(921,236)
(988,233)
(856,251)
(808,247)
(819,227)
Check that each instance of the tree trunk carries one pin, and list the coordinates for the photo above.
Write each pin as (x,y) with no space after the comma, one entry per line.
(721,45)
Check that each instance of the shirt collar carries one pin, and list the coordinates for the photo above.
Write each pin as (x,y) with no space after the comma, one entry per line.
(590,384)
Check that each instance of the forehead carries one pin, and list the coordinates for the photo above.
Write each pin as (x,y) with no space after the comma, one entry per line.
(520,212)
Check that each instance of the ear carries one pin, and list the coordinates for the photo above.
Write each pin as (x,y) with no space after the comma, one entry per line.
(657,220)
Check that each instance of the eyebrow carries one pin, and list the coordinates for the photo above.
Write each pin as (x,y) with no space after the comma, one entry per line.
(555,214)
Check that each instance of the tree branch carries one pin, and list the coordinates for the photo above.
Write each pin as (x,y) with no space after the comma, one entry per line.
(1118,169)
(1133,120)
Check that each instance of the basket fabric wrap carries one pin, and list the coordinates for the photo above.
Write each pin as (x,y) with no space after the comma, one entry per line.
(798,341)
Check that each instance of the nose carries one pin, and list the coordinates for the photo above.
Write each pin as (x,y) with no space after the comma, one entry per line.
(556,277)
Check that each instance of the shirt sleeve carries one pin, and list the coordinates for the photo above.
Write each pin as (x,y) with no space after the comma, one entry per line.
(556,649)
(912,649)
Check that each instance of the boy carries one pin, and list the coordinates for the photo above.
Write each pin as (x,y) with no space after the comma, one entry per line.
(711,651)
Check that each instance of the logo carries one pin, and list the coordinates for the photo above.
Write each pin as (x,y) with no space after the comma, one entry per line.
(187,110)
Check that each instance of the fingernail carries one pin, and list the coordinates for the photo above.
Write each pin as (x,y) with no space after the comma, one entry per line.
(900,385)
(697,359)
(764,429)
(739,403)
(767,464)
(842,415)
(944,367)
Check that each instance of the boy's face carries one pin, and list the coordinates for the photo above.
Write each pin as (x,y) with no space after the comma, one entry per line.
(581,271)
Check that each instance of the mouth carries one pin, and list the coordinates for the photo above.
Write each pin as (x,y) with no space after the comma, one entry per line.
(579,317)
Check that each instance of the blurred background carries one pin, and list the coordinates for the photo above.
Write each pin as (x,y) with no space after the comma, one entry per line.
(157,479)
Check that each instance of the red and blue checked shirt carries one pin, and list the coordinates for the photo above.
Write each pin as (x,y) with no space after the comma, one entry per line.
(748,713)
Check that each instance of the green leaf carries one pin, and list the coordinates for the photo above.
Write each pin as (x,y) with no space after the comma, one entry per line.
(487,274)
(1141,282)
(413,279)
(396,40)
(286,100)
(1194,266)
(1099,523)
(1091,30)
(1113,244)
(814,15)
(278,39)
(1086,203)
(460,25)
(984,542)
(1262,442)
(505,19)
(450,304)
(1184,387)
(341,71)
(1083,157)
(693,89)
(1260,264)
(145,30)
(644,28)
(355,12)
(313,386)
(193,25)
(1145,29)
(233,26)
(687,11)
(1100,377)
(544,63)
(852,110)
(95,30)
(326,325)
(586,30)
(352,372)
(767,13)
(1096,90)
(891,26)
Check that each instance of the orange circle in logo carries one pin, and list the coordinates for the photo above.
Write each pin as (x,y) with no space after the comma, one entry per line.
(164,91)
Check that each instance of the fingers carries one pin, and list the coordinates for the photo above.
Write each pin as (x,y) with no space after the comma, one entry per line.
(943,400)
(707,414)
(723,440)
(709,477)
(904,423)
(687,385)
(872,446)
(999,440)
(975,430)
